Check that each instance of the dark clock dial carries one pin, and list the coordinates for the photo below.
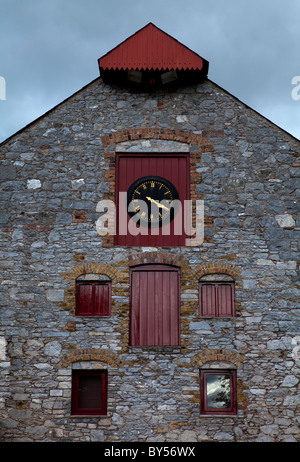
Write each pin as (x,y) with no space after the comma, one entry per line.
(149,200)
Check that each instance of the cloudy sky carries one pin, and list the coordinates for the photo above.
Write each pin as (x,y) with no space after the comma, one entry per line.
(49,50)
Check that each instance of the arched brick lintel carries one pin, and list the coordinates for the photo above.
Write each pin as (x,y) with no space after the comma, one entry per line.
(134,134)
(217,355)
(148,258)
(90,355)
(90,268)
(217,268)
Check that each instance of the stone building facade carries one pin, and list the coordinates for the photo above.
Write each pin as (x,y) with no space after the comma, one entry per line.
(53,174)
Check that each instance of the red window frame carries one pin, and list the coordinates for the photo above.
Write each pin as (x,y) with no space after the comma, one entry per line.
(206,409)
(93,298)
(217,299)
(79,394)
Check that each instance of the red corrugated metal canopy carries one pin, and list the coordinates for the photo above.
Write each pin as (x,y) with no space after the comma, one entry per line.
(151,49)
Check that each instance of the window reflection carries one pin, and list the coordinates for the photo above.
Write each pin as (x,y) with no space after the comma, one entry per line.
(218,391)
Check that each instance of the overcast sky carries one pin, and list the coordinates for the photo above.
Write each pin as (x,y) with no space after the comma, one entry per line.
(49,49)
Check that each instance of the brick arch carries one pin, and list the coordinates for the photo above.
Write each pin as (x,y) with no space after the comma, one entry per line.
(91,268)
(147,258)
(198,143)
(217,355)
(88,268)
(217,268)
(90,355)
(134,134)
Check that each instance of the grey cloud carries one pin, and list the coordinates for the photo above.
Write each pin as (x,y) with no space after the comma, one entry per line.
(49,49)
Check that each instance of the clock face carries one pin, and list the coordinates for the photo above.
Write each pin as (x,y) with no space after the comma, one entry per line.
(149,201)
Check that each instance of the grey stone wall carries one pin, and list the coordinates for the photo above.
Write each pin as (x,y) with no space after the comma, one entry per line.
(53,173)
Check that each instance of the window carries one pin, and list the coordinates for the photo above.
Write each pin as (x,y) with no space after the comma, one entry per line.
(89,392)
(216,297)
(155,307)
(218,392)
(93,298)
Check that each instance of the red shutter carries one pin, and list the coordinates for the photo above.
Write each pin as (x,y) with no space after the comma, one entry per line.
(102,299)
(207,298)
(226,299)
(155,306)
(216,299)
(174,168)
(84,299)
(93,298)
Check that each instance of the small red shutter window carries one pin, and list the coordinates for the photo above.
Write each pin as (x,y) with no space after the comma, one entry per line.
(93,298)
(216,299)
(155,306)
(89,392)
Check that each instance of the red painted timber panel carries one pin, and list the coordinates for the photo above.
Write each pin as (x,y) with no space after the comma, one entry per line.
(216,299)
(173,167)
(93,299)
(155,306)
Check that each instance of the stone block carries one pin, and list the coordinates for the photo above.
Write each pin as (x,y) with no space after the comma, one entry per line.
(3,344)
(4,217)
(285,221)
(8,172)
(33,184)
(55,295)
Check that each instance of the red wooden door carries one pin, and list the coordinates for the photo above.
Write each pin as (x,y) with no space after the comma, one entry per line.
(172,167)
(155,306)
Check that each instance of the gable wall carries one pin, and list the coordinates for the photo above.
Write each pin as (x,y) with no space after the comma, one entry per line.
(53,174)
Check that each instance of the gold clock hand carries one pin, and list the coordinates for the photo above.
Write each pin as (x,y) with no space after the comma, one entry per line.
(163,206)
(157,203)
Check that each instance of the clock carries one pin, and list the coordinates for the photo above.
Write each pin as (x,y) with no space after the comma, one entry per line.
(149,201)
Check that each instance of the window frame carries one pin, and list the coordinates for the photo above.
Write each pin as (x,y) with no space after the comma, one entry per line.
(75,409)
(204,409)
(218,312)
(93,283)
